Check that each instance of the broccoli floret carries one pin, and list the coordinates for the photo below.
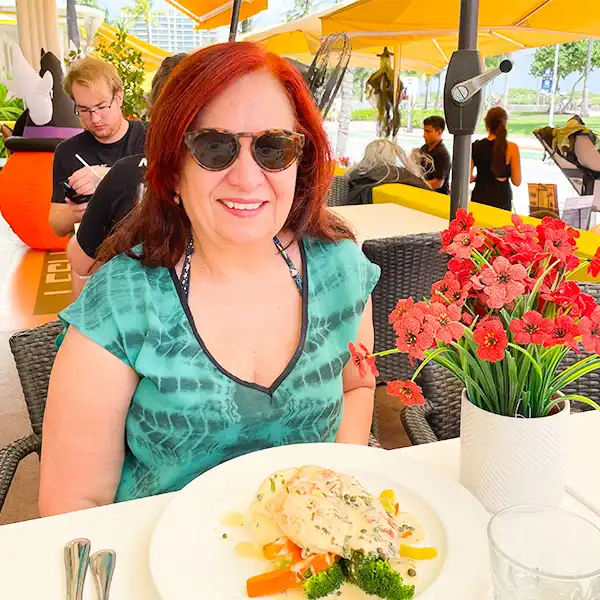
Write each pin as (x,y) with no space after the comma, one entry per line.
(375,576)
(324,583)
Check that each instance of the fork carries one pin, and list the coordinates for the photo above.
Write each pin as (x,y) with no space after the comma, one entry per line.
(77,556)
(103,566)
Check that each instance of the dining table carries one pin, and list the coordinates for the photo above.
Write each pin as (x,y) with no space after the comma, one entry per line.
(372,221)
(31,552)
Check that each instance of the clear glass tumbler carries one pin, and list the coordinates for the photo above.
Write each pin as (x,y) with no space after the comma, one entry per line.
(543,553)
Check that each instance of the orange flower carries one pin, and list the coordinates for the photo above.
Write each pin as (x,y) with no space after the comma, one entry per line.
(361,359)
(491,339)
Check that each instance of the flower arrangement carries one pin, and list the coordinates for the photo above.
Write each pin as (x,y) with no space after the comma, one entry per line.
(502,319)
(344,161)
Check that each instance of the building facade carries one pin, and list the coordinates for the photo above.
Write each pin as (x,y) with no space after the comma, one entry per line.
(173,31)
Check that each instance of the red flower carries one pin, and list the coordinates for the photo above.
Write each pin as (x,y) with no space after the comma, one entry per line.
(447,319)
(594,268)
(449,290)
(464,243)
(462,268)
(563,333)
(361,359)
(558,243)
(518,232)
(491,339)
(590,332)
(408,392)
(416,333)
(463,221)
(401,309)
(503,282)
(531,329)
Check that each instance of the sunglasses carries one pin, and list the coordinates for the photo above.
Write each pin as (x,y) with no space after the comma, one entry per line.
(216,149)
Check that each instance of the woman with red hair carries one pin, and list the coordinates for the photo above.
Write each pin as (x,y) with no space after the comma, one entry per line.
(221,323)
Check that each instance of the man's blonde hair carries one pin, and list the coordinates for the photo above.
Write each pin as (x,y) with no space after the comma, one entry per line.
(89,72)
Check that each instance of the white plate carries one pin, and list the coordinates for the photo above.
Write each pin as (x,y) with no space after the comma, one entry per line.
(190,559)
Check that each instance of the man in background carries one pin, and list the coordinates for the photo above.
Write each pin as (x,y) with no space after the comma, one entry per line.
(436,164)
(97,91)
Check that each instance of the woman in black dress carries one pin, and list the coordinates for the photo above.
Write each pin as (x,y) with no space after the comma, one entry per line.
(498,163)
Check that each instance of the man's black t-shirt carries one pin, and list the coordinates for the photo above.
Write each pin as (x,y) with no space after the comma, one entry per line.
(95,153)
(442,166)
(116,195)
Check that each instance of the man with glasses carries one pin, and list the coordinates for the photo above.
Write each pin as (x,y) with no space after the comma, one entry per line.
(97,91)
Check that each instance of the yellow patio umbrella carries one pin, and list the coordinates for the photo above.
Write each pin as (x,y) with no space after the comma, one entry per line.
(209,14)
(300,39)
(504,27)
(152,55)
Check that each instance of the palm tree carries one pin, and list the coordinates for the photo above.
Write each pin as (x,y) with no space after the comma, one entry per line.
(142,9)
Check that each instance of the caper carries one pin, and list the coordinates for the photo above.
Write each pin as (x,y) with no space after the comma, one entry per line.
(412,573)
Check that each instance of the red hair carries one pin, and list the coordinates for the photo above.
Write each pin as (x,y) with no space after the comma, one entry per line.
(158,222)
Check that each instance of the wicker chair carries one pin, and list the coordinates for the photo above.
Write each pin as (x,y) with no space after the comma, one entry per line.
(338,194)
(34,351)
(409,264)
(439,419)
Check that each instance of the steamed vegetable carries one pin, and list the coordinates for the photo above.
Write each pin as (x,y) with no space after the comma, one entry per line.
(325,583)
(376,576)
(418,553)
(279,580)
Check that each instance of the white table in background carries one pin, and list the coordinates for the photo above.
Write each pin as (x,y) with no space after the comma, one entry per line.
(371,221)
(31,553)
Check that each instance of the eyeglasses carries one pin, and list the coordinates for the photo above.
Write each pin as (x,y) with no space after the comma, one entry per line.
(102,111)
(272,149)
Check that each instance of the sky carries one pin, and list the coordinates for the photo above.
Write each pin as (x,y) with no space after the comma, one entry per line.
(519,77)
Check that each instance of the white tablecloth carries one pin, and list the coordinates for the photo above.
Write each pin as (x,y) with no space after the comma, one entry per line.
(31,553)
(371,221)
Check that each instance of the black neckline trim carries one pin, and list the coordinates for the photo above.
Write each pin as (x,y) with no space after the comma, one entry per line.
(299,349)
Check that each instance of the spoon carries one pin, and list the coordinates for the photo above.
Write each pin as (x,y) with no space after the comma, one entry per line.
(77,556)
(103,566)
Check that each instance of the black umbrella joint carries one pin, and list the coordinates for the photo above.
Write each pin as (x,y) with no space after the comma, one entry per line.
(235,18)
(463,100)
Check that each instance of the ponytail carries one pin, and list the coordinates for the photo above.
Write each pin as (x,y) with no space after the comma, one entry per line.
(495,122)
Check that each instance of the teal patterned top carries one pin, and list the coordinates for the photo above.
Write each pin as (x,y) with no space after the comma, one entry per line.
(188,414)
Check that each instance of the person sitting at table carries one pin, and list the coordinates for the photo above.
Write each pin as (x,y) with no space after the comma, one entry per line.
(498,163)
(115,196)
(435,158)
(221,323)
(383,162)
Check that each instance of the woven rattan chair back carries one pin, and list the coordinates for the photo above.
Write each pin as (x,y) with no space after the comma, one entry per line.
(34,351)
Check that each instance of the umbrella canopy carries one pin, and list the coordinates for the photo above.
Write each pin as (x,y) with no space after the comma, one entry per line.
(209,14)
(504,27)
(300,39)
(152,55)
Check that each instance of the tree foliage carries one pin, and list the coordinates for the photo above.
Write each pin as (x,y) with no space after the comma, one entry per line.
(130,66)
(571,59)
(301,9)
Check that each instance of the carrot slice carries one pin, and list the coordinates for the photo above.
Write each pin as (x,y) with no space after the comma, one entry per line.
(275,582)
(280,548)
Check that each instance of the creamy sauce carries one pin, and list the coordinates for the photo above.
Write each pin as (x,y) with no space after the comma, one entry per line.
(248,550)
(323,511)
(232,519)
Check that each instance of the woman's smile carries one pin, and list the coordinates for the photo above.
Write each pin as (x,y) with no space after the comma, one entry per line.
(240,207)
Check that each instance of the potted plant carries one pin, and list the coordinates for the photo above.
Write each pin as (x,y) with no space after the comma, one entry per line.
(502,321)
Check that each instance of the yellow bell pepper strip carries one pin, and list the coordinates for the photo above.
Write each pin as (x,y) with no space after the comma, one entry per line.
(418,553)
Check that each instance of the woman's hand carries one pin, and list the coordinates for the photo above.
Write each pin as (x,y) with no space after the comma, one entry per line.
(84,426)
(359,392)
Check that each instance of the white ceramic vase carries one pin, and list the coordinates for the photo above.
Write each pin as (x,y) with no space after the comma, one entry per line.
(506,461)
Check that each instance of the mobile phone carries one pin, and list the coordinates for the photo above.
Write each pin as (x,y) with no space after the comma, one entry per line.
(72,195)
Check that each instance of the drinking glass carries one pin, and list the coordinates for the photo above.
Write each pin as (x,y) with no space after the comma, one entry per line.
(543,553)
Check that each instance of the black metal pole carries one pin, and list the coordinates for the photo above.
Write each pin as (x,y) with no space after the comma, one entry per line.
(461,158)
(235,17)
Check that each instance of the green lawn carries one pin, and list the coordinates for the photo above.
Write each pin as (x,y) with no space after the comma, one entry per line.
(524,123)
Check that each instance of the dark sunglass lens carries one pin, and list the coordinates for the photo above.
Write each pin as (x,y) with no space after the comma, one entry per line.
(275,151)
(215,149)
